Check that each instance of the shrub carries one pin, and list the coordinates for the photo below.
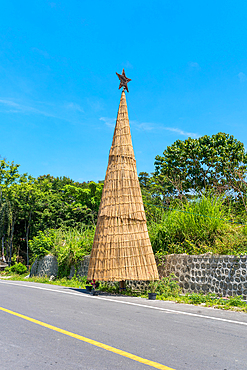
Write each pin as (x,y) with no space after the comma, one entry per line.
(43,243)
(168,287)
(69,245)
(18,268)
(191,229)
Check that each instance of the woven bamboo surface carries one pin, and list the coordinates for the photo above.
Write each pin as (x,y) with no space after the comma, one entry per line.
(121,248)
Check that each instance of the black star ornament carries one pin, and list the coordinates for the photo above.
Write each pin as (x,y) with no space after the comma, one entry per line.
(123,80)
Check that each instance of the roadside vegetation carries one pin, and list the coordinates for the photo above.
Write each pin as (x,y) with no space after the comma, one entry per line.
(202,225)
(167,289)
(69,245)
(195,203)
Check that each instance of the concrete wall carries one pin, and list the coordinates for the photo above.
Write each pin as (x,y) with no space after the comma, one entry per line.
(223,275)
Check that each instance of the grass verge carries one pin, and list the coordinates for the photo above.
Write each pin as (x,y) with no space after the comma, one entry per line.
(72,283)
(168,290)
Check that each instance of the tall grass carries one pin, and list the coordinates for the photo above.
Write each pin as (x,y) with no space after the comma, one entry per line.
(69,245)
(186,230)
(200,219)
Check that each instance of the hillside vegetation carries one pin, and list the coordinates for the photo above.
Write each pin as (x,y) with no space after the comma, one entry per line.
(195,202)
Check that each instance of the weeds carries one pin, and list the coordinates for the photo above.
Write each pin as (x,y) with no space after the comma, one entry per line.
(69,245)
(167,287)
(17,268)
(199,227)
(73,283)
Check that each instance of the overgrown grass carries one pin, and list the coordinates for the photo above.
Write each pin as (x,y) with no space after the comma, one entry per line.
(169,290)
(69,245)
(73,283)
(199,227)
(211,300)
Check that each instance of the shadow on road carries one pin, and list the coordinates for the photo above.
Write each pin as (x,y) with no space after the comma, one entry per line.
(96,292)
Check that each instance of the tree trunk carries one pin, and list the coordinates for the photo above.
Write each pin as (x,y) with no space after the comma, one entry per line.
(27,234)
(3,257)
(11,241)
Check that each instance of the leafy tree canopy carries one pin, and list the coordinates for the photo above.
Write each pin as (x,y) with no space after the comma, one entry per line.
(29,205)
(195,165)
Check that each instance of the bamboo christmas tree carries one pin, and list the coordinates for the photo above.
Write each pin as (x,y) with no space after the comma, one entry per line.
(121,248)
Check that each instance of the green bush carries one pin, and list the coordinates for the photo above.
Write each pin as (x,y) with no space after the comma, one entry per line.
(42,244)
(191,229)
(69,245)
(18,268)
(195,298)
(168,287)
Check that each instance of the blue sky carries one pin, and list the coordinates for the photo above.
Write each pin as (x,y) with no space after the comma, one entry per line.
(59,92)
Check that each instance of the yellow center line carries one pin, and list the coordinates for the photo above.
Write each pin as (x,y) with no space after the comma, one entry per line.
(156,365)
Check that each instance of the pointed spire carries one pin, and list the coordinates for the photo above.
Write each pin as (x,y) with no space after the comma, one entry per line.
(121,248)
(122,194)
(122,143)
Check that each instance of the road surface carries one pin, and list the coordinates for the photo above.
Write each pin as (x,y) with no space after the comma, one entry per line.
(52,327)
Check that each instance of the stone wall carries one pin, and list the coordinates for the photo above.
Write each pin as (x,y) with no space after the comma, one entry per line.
(222,275)
(81,269)
(46,266)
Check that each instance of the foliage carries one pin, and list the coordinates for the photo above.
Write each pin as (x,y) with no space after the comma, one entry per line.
(165,287)
(9,173)
(29,206)
(42,244)
(5,217)
(110,287)
(66,203)
(212,300)
(196,165)
(78,283)
(152,200)
(168,287)
(17,268)
(198,223)
(69,245)
(180,217)
(153,285)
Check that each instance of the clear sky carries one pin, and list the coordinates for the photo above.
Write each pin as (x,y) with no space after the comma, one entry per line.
(59,92)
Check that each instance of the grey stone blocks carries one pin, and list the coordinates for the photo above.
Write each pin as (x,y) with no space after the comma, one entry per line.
(46,266)
(81,269)
(222,275)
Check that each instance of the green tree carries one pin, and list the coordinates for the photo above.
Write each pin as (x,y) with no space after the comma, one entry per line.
(9,173)
(195,165)
(152,199)
(28,206)
(9,180)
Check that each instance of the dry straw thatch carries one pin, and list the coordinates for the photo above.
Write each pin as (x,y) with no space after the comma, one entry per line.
(121,248)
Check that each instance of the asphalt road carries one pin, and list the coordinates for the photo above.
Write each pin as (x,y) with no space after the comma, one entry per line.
(174,335)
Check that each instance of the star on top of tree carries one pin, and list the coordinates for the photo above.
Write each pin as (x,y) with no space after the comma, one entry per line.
(123,80)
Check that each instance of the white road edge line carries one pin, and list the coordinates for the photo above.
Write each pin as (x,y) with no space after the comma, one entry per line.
(129,303)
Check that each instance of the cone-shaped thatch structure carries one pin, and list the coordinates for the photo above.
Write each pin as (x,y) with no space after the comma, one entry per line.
(121,248)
